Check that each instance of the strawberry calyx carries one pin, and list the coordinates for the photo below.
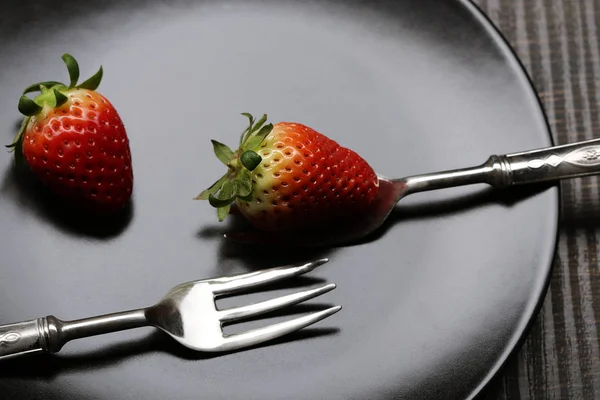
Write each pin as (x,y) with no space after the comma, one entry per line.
(53,94)
(237,181)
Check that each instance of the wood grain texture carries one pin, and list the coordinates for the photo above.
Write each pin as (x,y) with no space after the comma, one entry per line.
(557,42)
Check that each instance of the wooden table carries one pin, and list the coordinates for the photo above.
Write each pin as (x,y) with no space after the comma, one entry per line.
(558,43)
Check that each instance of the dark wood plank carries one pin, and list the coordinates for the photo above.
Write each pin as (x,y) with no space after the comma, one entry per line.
(557,41)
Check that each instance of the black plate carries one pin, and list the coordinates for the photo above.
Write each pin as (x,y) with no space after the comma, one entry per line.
(433,304)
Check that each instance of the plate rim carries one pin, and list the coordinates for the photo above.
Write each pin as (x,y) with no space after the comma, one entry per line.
(528,318)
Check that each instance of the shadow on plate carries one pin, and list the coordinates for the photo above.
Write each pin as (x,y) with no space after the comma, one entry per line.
(252,257)
(48,366)
(28,193)
(453,206)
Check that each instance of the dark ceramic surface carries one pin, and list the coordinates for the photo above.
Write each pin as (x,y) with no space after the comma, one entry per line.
(433,304)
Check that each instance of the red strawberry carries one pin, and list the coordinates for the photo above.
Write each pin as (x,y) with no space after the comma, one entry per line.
(289,176)
(74,141)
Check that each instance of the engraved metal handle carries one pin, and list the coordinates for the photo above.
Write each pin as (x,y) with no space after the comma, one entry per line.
(50,334)
(547,164)
(553,163)
(21,338)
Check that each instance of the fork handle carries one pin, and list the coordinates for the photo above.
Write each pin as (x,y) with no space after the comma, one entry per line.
(50,334)
(554,163)
(534,166)
(22,338)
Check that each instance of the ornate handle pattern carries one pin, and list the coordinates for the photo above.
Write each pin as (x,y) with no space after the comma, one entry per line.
(50,334)
(559,162)
(10,338)
(549,164)
(22,338)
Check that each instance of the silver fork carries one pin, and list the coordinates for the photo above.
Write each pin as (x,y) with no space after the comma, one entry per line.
(187,313)
(499,171)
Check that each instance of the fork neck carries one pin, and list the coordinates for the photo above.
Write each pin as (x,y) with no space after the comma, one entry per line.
(492,172)
(57,333)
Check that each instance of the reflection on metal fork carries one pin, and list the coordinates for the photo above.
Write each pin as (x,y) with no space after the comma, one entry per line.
(187,313)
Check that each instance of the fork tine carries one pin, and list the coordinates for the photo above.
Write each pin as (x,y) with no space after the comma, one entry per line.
(252,279)
(273,304)
(260,335)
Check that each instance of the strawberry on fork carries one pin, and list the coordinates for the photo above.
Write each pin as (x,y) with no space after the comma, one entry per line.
(287,176)
(499,171)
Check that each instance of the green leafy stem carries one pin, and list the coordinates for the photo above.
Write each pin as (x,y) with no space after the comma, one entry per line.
(52,94)
(237,181)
